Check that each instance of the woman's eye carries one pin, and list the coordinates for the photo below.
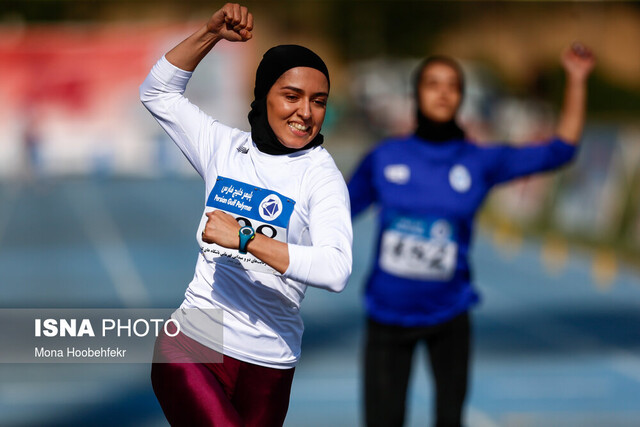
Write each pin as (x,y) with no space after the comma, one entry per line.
(321,102)
(291,97)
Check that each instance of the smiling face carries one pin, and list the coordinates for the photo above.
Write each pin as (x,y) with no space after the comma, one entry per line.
(439,93)
(296,105)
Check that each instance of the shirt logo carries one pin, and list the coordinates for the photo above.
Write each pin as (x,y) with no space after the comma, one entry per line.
(270,207)
(398,174)
(441,230)
(460,178)
(242,149)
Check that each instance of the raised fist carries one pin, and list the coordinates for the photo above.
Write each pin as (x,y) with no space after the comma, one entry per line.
(232,22)
(578,60)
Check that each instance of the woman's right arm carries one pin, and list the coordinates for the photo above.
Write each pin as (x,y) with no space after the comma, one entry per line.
(233,23)
(162,91)
(362,192)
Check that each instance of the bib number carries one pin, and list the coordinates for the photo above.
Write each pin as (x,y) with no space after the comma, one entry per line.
(419,250)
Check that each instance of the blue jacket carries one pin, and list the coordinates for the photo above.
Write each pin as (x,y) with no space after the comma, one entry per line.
(428,194)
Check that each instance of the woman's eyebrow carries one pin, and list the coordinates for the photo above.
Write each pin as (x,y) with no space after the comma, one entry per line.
(301,92)
(293,89)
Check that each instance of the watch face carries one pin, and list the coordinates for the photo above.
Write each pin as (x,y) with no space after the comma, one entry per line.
(246,231)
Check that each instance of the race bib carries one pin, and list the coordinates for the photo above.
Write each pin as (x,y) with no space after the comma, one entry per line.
(419,249)
(268,212)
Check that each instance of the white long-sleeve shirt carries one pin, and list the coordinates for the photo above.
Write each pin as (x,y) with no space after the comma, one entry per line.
(300,199)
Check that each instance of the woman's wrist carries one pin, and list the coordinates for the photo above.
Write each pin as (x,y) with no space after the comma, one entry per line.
(576,79)
(210,37)
(188,54)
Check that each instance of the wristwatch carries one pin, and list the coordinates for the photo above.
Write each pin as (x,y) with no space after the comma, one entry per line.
(246,234)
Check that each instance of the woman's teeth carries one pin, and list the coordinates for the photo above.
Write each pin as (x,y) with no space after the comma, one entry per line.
(298,126)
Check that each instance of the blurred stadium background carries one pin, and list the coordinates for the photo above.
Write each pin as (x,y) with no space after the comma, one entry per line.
(99,209)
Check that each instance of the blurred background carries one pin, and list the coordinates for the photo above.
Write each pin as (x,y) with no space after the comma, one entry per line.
(98,208)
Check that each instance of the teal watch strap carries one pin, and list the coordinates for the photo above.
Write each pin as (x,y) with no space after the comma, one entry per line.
(246,234)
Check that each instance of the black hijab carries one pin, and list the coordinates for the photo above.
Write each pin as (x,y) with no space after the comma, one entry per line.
(428,129)
(275,62)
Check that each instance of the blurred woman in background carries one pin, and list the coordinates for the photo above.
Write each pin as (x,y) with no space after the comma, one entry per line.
(428,187)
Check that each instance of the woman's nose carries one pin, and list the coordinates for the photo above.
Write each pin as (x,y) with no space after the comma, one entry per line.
(305,109)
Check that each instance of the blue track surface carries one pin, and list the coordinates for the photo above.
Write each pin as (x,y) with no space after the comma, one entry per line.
(552,350)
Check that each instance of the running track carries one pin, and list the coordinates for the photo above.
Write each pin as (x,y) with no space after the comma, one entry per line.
(550,349)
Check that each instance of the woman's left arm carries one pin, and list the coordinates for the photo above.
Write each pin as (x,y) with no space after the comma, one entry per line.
(577,61)
(222,229)
(507,163)
(326,264)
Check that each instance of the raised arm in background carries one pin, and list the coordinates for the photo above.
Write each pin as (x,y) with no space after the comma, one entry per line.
(577,61)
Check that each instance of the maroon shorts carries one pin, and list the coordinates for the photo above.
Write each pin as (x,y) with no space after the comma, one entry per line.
(231,393)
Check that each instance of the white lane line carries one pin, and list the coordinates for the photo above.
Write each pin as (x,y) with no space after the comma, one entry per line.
(555,333)
(477,418)
(109,245)
(627,364)
(7,207)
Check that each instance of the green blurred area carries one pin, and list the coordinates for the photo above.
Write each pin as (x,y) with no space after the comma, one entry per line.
(609,100)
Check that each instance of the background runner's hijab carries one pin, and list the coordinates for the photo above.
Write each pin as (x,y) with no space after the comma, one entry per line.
(431,130)
(274,63)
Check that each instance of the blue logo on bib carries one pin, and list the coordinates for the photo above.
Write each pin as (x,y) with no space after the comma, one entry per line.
(270,207)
